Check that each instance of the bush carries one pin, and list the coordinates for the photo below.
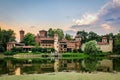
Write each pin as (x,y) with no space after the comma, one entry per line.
(9,53)
(80,51)
(75,50)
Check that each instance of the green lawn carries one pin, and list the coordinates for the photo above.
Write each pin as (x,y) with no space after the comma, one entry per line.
(65,76)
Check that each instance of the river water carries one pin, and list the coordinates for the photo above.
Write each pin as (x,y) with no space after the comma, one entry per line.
(21,66)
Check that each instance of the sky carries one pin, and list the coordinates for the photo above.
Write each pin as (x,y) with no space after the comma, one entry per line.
(100,16)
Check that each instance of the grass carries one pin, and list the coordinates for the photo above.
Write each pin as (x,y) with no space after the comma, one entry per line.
(65,76)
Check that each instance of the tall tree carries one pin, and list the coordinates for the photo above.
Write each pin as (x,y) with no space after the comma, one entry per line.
(68,37)
(93,36)
(5,37)
(83,35)
(51,33)
(117,44)
(29,39)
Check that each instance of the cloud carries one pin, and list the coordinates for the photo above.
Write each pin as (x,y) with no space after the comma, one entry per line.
(79,26)
(86,19)
(32,26)
(106,26)
(71,32)
(107,18)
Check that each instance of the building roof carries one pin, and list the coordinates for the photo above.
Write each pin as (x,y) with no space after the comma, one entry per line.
(63,40)
(21,30)
(28,46)
(42,31)
(46,38)
(16,43)
(77,36)
(102,43)
(104,37)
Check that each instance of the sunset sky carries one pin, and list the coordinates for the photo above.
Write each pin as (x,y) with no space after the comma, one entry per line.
(100,16)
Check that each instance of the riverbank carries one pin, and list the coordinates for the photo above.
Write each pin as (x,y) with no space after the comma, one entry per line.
(65,76)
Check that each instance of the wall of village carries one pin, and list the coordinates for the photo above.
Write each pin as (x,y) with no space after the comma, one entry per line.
(105,48)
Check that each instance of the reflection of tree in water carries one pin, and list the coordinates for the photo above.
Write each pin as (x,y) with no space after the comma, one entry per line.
(90,64)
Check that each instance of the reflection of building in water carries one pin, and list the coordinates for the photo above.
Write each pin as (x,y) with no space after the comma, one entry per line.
(70,64)
(18,67)
(56,66)
(17,71)
(106,65)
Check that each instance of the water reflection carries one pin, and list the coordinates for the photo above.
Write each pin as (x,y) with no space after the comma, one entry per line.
(14,66)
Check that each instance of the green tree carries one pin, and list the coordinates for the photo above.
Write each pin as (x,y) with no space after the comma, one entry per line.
(60,33)
(117,44)
(83,35)
(29,39)
(90,48)
(5,37)
(51,32)
(93,36)
(68,37)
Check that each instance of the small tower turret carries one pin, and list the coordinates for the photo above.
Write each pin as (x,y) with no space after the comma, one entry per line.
(104,39)
(77,38)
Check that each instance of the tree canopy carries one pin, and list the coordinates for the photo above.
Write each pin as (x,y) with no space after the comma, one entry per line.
(117,44)
(29,39)
(60,32)
(5,37)
(91,47)
(68,37)
(83,35)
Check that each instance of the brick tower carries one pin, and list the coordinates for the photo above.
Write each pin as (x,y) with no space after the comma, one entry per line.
(21,35)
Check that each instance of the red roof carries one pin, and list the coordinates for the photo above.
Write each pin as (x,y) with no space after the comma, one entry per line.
(64,40)
(46,38)
(28,46)
(42,31)
(104,37)
(102,43)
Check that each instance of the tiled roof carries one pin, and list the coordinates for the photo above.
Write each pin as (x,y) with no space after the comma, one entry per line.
(102,43)
(64,40)
(15,43)
(42,31)
(104,37)
(28,46)
(46,38)
(77,36)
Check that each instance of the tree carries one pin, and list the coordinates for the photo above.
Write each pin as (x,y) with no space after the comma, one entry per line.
(29,39)
(51,32)
(83,35)
(91,48)
(117,44)
(68,37)
(5,37)
(93,36)
(60,33)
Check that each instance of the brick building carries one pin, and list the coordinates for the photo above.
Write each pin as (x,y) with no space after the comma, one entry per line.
(51,42)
